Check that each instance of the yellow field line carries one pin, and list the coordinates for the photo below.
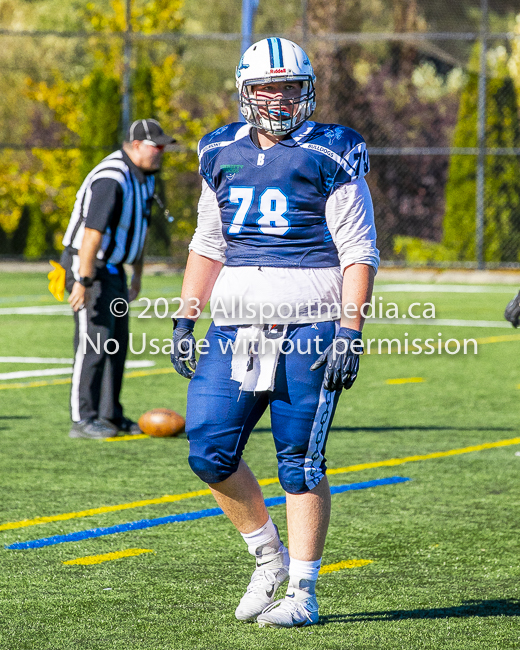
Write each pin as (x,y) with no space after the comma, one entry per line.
(406,380)
(411,459)
(106,557)
(139,436)
(345,564)
(169,498)
(145,373)
(480,341)
(36,384)
(498,339)
(57,382)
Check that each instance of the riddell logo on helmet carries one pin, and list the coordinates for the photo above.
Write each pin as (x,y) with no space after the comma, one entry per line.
(275,71)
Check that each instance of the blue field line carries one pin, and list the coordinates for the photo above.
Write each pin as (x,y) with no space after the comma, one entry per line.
(184,516)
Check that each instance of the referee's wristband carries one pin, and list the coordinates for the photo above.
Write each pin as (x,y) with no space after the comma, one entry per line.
(185,323)
(86,282)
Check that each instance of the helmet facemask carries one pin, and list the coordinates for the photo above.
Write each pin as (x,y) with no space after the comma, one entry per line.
(278,116)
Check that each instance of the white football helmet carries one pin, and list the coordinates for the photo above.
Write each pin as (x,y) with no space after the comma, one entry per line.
(272,60)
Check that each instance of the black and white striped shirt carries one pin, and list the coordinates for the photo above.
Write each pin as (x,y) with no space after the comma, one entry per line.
(115,199)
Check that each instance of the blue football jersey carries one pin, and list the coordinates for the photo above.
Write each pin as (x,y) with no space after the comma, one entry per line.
(272,201)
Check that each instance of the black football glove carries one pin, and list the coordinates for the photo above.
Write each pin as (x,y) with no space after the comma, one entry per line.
(512,312)
(342,359)
(183,347)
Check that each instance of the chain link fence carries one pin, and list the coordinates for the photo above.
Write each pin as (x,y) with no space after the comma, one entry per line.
(432,87)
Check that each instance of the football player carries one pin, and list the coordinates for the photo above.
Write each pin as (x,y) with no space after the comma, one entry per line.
(285,238)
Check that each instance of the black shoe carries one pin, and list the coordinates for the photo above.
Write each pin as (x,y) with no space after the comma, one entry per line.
(123,425)
(93,429)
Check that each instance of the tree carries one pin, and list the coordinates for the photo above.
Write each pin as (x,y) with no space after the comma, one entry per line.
(502,176)
(88,110)
(373,89)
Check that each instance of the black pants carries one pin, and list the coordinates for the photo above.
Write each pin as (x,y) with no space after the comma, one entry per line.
(99,363)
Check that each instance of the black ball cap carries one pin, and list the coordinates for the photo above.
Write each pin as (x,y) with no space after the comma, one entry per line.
(149,131)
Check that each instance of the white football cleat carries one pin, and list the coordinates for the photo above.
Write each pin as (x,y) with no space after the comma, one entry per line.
(266,578)
(290,613)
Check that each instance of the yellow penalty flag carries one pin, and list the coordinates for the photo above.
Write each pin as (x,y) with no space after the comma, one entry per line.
(57,281)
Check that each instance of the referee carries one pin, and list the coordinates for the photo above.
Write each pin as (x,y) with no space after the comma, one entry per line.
(108,228)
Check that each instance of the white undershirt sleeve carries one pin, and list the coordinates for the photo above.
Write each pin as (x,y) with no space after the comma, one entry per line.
(208,239)
(350,220)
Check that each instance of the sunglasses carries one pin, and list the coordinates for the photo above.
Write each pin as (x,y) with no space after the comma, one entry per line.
(150,143)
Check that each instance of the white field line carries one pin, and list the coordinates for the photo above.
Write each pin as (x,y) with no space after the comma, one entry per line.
(49,372)
(35,373)
(65,310)
(438,322)
(56,310)
(128,364)
(441,288)
(447,322)
(9,299)
(53,310)
(34,360)
(48,310)
(42,310)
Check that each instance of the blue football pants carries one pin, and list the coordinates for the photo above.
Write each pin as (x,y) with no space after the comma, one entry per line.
(220,418)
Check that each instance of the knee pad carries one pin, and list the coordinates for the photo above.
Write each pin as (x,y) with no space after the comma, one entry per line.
(295,480)
(211,469)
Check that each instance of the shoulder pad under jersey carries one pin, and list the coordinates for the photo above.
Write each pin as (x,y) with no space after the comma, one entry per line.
(222,137)
(343,145)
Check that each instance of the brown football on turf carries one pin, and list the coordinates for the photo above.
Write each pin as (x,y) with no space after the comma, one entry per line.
(161,423)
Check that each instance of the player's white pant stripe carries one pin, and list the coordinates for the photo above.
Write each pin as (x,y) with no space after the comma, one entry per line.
(78,364)
(318,437)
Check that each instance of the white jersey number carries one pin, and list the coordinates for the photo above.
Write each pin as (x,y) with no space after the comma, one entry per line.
(272,206)
(244,197)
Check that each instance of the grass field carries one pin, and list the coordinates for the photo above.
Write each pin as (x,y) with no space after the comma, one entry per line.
(443,547)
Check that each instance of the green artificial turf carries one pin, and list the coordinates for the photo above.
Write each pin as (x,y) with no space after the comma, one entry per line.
(444,546)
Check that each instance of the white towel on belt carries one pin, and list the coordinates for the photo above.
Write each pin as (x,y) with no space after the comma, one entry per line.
(255,357)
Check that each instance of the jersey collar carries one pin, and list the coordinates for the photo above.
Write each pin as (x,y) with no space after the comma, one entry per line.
(303,132)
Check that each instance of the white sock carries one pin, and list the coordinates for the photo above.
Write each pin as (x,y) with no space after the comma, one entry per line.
(264,541)
(302,577)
